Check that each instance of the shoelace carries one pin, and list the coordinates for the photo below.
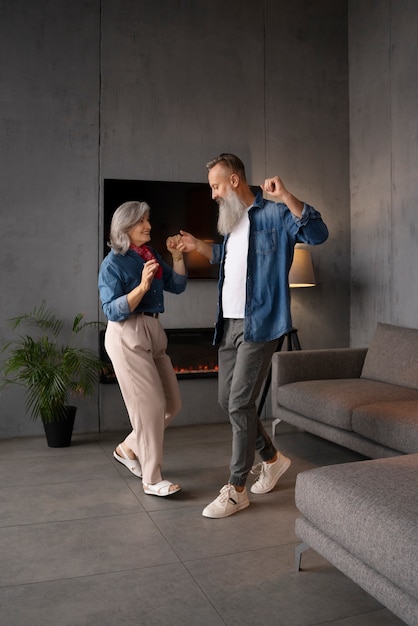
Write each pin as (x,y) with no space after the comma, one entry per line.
(225,494)
(257,469)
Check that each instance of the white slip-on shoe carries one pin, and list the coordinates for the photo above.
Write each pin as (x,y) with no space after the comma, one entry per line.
(132,464)
(163,488)
(269,474)
(228,502)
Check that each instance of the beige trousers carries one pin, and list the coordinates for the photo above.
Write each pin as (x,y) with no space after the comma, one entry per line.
(137,349)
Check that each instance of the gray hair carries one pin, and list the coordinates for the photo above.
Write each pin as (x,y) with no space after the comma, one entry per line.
(229,161)
(124,218)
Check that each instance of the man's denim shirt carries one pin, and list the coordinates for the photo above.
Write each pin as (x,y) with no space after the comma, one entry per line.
(274,230)
(119,274)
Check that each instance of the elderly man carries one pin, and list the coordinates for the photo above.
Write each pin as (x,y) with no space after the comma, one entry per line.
(253,311)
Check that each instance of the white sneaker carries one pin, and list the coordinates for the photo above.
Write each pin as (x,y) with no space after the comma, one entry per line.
(228,502)
(269,474)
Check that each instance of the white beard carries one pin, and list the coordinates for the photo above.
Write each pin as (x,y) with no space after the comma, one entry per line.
(231,210)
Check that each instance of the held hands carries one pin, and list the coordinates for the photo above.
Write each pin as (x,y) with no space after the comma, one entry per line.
(172,244)
(187,242)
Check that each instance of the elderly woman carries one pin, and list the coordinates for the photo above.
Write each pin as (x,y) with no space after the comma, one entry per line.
(132,278)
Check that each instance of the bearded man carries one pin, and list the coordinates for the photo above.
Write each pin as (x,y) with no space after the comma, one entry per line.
(253,311)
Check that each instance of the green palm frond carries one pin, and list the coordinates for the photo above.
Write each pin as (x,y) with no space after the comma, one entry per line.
(50,370)
(40,316)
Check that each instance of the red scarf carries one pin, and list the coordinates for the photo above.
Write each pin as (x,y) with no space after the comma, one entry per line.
(146,254)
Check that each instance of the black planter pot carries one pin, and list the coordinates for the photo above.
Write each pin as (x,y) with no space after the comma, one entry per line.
(59,433)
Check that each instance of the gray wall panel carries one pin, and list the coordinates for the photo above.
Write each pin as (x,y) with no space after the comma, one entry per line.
(404,104)
(307,144)
(384,145)
(49,139)
(181,82)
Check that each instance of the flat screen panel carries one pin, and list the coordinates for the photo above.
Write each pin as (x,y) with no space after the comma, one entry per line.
(174,206)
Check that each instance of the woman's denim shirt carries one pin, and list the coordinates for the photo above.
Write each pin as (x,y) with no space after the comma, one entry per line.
(274,230)
(120,273)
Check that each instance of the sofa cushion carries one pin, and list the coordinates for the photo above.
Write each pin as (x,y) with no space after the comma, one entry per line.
(370,508)
(332,401)
(392,356)
(392,424)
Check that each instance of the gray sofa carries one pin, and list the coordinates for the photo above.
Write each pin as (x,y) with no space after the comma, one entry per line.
(363,516)
(363,399)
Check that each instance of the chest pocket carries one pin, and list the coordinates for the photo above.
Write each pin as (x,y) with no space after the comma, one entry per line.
(265,241)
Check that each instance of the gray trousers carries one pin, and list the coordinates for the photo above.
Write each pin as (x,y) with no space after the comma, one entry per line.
(243,367)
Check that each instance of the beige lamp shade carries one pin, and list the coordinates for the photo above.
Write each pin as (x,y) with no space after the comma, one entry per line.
(301,273)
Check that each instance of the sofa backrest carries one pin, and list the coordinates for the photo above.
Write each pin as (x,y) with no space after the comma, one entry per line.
(392,356)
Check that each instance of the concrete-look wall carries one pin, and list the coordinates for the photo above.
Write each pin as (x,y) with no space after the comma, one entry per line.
(49,173)
(384,157)
(307,135)
(184,81)
(153,89)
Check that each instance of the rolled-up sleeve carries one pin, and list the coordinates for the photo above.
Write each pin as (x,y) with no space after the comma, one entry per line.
(310,227)
(216,254)
(173,282)
(114,301)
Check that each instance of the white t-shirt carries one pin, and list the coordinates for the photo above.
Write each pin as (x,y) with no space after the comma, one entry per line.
(234,287)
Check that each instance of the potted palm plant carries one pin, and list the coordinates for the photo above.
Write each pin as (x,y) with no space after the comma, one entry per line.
(52,367)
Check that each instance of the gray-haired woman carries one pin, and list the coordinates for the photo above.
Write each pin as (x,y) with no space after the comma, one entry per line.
(132,279)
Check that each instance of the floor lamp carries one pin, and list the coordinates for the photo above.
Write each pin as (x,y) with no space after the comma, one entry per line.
(301,275)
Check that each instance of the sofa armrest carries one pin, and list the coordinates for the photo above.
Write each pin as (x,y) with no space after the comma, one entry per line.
(331,363)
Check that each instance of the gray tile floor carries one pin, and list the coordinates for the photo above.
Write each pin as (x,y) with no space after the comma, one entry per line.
(80,543)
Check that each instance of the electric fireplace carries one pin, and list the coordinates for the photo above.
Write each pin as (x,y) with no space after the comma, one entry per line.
(192,353)
(190,349)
